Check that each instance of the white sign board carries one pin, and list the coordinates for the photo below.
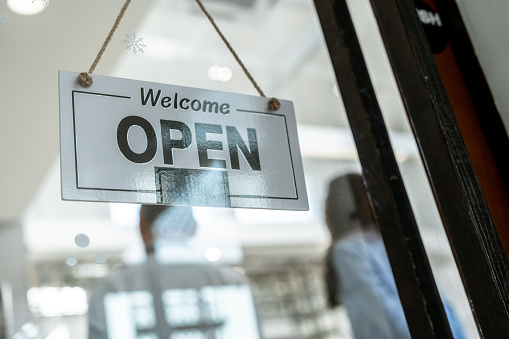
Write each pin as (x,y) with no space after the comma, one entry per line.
(142,142)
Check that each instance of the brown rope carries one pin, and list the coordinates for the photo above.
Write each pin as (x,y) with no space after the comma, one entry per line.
(274,103)
(85,79)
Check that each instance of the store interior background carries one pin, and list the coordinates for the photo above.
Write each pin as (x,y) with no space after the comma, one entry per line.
(281,43)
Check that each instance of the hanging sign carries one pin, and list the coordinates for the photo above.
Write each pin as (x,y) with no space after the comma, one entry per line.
(142,142)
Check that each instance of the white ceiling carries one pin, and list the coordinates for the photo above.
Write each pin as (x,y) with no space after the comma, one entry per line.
(66,35)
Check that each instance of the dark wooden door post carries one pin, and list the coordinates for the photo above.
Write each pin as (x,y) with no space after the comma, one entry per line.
(473,237)
(474,108)
(420,299)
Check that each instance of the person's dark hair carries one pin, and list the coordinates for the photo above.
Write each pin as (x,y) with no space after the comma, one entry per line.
(347,209)
(151,212)
(331,281)
(347,206)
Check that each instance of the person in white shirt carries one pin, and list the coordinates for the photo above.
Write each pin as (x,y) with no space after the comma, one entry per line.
(175,293)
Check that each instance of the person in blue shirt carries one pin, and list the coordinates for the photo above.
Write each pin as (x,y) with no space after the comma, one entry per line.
(358,273)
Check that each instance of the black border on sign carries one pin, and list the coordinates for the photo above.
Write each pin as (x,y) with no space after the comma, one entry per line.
(154,191)
(291,160)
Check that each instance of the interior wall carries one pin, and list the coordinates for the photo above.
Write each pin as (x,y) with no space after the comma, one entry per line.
(13,269)
(487,25)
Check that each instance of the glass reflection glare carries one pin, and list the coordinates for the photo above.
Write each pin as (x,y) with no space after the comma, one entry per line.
(213,254)
(100,259)
(57,301)
(71,261)
(217,73)
(27,7)
(82,240)
(220,312)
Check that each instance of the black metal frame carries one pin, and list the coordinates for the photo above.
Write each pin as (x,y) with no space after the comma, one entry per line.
(478,88)
(418,293)
(474,240)
(473,237)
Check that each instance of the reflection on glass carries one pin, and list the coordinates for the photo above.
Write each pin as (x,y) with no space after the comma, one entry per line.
(176,292)
(219,312)
(100,259)
(57,301)
(359,274)
(213,254)
(71,261)
(82,240)
(281,252)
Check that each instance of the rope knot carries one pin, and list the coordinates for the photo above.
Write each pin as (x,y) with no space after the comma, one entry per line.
(85,79)
(274,104)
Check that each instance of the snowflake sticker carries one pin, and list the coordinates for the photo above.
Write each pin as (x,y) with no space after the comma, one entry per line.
(4,19)
(43,2)
(134,43)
